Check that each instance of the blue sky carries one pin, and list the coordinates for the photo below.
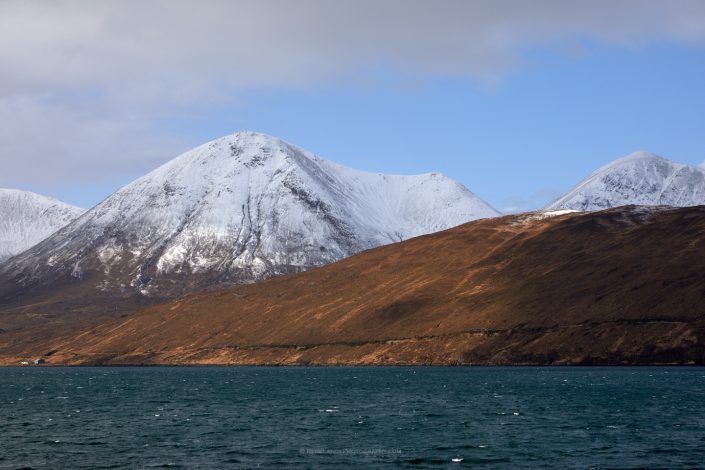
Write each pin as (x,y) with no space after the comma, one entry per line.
(565,106)
(517,144)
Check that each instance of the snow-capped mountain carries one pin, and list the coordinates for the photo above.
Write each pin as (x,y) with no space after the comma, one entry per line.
(240,208)
(27,218)
(641,178)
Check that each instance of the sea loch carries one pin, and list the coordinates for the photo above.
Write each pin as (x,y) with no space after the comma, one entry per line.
(386,417)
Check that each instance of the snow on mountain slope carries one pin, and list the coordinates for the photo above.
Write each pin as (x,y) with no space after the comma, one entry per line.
(241,208)
(641,178)
(27,218)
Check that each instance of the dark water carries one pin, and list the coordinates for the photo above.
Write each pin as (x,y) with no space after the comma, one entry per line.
(234,417)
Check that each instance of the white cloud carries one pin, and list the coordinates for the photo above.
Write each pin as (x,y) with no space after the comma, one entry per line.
(189,46)
(83,83)
(47,142)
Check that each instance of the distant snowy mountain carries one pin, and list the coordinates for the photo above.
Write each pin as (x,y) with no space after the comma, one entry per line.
(641,178)
(27,218)
(240,208)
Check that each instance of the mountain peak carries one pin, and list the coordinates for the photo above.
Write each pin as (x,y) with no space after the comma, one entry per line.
(240,151)
(252,141)
(240,208)
(640,178)
(247,134)
(21,193)
(26,218)
(638,157)
(641,155)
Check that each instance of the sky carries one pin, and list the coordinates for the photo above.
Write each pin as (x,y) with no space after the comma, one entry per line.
(518,100)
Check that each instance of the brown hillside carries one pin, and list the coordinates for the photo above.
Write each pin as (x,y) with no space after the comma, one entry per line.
(625,285)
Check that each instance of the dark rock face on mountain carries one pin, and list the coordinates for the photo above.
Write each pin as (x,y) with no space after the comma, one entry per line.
(621,286)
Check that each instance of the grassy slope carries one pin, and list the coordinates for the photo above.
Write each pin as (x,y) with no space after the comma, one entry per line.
(618,286)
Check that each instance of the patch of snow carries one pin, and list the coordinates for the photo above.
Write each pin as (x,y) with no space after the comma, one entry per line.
(541,215)
(27,218)
(253,204)
(640,178)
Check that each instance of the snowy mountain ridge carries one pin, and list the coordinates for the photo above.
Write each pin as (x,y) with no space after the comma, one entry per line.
(641,178)
(27,218)
(237,209)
